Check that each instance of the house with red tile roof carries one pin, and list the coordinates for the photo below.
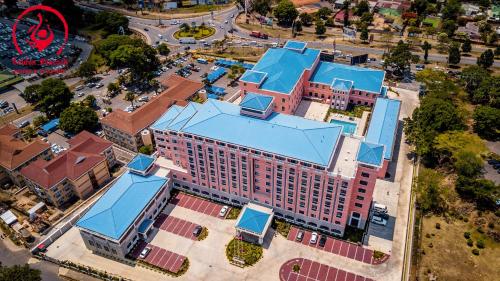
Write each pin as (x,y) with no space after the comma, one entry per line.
(124,128)
(16,153)
(77,172)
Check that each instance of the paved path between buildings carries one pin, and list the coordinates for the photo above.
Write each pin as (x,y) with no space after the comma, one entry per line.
(315,271)
(338,247)
(176,226)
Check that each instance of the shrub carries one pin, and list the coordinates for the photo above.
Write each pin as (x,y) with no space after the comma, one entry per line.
(480,244)
(428,235)
(430,245)
(470,243)
(378,255)
(296,268)
(475,252)
(491,225)
(438,225)
(467,235)
(480,230)
(466,219)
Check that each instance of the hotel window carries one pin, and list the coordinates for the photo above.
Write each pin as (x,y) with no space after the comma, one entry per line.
(363,182)
(358,205)
(360,197)
(365,175)
(339,215)
(290,201)
(361,190)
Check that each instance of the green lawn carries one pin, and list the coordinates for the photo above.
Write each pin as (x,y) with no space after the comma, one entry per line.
(432,21)
(7,79)
(197,33)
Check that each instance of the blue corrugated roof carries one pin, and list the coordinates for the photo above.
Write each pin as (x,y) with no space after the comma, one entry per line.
(216,74)
(167,117)
(141,162)
(295,45)
(363,78)
(283,68)
(117,209)
(253,220)
(257,102)
(383,124)
(51,125)
(251,76)
(283,134)
(341,84)
(370,153)
(144,225)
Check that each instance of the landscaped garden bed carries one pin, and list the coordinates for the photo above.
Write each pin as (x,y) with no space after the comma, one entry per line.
(243,253)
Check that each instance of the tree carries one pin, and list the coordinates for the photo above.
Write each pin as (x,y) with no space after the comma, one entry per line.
(426,47)
(320,27)
(184,27)
(51,97)
(77,118)
(146,149)
(163,49)
(366,19)
(113,88)
(285,12)
(141,60)
(487,122)
(400,58)
(28,133)
(361,8)
(87,70)
(40,120)
(19,272)
(449,27)
(468,164)
(323,13)
(129,96)
(454,54)
(111,22)
(472,76)
(89,101)
(306,19)
(330,22)
(364,34)
(466,46)
(261,6)
(488,92)
(345,8)
(485,29)
(429,191)
(451,10)
(486,59)
(419,7)
(497,51)
(298,26)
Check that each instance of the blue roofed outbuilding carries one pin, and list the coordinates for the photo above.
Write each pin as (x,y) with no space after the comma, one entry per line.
(253,222)
(141,163)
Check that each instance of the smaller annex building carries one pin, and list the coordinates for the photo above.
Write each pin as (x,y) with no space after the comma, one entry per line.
(125,213)
(253,223)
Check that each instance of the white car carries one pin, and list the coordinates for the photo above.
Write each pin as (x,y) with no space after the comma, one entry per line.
(314,238)
(223,211)
(80,95)
(378,220)
(145,252)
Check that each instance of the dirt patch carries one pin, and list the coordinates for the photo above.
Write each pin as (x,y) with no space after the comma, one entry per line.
(446,255)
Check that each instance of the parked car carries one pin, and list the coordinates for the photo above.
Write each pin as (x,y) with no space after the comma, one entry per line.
(314,238)
(145,252)
(197,231)
(322,241)
(24,124)
(223,211)
(80,95)
(300,236)
(380,208)
(493,162)
(378,220)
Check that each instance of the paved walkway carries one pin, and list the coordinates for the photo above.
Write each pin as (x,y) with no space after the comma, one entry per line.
(175,225)
(338,247)
(315,271)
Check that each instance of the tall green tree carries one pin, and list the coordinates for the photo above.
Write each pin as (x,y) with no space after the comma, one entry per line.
(111,22)
(400,57)
(261,6)
(472,76)
(345,8)
(19,272)
(361,8)
(486,59)
(466,45)
(129,96)
(323,13)
(449,27)
(364,34)
(51,97)
(87,70)
(320,27)
(77,118)
(426,47)
(163,49)
(285,13)
(487,122)
(306,19)
(452,9)
(454,54)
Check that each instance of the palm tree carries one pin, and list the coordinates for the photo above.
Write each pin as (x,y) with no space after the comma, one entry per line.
(426,47)
(129,96)
(113,88)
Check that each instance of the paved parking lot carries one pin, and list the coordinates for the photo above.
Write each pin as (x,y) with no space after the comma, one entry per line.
(160,257)
(337,247)
(312,271)
(197,204)
(176,226)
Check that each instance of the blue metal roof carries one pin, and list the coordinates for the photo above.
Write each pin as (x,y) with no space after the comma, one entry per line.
(370,153)
(145,224)
(117,209)
(283,68)
(141,162)
(167,117)
(253,220)
(366,79)
(341,84)
(283,134)
(383,124)
(295,45)
(251,76)
(216,74)
(51,125)
(257,102)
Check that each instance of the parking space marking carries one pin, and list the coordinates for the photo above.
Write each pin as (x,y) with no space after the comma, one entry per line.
(179,227)
(315,271)
(197,204)
(164,259)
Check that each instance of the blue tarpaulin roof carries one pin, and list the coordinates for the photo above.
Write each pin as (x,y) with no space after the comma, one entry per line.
(215,90)
(229,63)
(216,74)
(253,221)
(51,125)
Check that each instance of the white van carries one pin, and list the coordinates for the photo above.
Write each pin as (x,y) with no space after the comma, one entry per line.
(380,208)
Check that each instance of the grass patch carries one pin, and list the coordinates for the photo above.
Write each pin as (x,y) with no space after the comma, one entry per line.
(7,79)
(244,251)
(203,235)
(282,227)
(353,234)
(233,214)
(378,255)
(197,33)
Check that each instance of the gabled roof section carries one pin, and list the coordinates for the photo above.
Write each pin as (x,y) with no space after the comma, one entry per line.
(370,153)
(256,102)
(118,208)
(183,117)
(252,76)
(365,79)
(141,162)
(383,124)
(295,45)
(283,68)
(167,117)
(15,152)
(341,84)
(286,135)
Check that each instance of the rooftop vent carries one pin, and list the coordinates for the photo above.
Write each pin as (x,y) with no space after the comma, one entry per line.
(79,160)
